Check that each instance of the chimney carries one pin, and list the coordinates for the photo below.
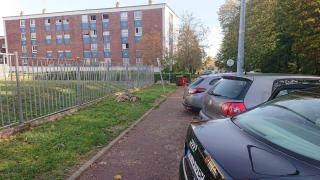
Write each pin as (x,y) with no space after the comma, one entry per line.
(43,10)
(21,13)
(150,2)
(117,4)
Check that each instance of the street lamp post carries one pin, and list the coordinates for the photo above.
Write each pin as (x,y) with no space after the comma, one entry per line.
(240,61)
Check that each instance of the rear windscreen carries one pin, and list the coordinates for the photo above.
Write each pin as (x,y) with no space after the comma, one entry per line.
(196,82)
(231,88)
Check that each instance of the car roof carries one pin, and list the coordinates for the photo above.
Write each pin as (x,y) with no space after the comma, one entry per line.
(275,76)
(218,75)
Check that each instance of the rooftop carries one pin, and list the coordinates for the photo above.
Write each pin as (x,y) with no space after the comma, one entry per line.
(91,11)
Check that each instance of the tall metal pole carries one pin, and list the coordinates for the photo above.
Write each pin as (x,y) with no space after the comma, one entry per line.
(240,61)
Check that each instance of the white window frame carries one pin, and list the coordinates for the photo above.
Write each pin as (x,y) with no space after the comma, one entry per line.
(94,47)
(59,52)
(59,37)
(106,47)
(93,33)
(137,15)
(91,19)
(24,49)
(34,49)
(124,33)
(106,33)
(48,53)
(139,31)
(32,22)
(33,36)
(22,23)
(46,21)
(66,21)
(84,19)
(125,61)
(48,37)
(59,21)
(23,36)
(124,46)
(124,15)
(138,60)
(66,36)
(67,51)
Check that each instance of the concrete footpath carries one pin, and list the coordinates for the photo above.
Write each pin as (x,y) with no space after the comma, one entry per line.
(151,150)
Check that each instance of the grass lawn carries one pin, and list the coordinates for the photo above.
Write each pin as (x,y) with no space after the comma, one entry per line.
(49,151)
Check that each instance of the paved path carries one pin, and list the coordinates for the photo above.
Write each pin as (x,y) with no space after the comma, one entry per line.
(151,150)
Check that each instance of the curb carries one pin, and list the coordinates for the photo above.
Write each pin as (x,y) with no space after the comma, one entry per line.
(86,165)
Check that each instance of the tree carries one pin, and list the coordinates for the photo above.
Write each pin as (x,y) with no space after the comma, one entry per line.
(151,46)
(191,43)
(209,63)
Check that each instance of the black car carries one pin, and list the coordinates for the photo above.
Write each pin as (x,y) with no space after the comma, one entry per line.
(277,140)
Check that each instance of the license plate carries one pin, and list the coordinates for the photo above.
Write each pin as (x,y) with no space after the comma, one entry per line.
(199,174)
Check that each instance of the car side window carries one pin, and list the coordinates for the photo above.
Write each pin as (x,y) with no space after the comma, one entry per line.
(284,90)
(212,82)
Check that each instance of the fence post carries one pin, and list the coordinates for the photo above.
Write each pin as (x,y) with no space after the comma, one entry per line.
(18,87)
(78,82)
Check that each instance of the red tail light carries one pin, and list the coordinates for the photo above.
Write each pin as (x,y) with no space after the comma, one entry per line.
(196,90)
(233,108)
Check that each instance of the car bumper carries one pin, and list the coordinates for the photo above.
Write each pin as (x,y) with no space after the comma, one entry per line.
(184,171)
(190,107)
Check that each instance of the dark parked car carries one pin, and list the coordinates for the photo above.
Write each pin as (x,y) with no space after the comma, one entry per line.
(277,140)
(194,93)
(233,95)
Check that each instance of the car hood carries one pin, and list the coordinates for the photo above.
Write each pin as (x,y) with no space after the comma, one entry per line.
(241,155)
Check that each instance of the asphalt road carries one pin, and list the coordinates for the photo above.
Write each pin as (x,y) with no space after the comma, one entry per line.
(150,151)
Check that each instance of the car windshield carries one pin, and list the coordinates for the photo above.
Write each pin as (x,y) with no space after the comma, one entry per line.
(291,123)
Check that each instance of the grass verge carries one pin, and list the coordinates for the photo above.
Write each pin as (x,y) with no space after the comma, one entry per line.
(50,150)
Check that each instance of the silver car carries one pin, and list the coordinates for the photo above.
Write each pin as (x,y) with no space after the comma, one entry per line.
(233,95)
(194,93)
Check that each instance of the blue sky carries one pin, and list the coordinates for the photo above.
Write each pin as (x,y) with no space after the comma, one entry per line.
(205,10)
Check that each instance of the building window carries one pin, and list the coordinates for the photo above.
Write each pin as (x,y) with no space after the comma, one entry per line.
(124,16)
(58,21)
(32,22)
(138,60)
(138,31)
(59,39)
(107,47)
(66,21)
(48,39)
(33,36)
(125,61)
(94,47)
(86,39)
(68,54)
(124,33)
(86,54)
(34,49)
(49,54)
(23,36)
(66,38)
(60,54)
(125,46)
(106,33)
(24,49)
(107,60)
(105,17)
(22,23)
(47,21)
(138,54)
(93,18)
(84,18)
(93,33)
(137,15)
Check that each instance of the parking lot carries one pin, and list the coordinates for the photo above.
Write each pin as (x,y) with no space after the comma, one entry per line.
(151,150)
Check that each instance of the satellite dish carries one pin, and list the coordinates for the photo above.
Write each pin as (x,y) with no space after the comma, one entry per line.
(230,62)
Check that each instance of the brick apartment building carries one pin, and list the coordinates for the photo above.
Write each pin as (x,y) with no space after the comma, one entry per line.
(110,35)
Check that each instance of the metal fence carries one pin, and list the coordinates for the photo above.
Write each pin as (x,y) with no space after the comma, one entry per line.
(42,86)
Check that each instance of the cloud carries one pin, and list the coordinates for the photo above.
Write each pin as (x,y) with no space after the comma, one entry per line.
(214,38)
(8,8)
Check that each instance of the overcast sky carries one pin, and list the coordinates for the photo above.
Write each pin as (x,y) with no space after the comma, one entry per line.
(206,10)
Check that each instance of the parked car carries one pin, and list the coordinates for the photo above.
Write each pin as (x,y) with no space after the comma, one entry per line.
(278,140)
(194,93)
(233,95)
